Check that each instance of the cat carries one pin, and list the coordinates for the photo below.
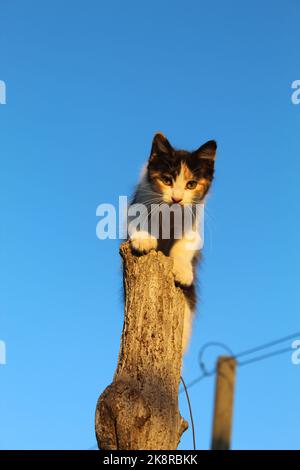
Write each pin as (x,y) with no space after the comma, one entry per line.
(181,178)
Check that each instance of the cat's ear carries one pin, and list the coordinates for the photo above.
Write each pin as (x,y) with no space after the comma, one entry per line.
(160,146)
(207,150)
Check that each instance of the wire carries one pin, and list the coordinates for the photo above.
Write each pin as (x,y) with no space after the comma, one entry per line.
(204,348)
(190,410)
(208,373)
(264,356)
(268,345)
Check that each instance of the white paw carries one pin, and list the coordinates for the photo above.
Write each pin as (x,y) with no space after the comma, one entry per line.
(183,272)
(143,242)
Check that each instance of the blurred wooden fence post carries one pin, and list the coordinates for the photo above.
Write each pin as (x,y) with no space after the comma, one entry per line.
(224,398)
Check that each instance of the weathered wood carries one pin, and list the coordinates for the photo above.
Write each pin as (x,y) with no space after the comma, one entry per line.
(224,397)
(139,410)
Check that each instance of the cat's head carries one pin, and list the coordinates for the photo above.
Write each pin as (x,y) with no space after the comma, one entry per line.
(178,175)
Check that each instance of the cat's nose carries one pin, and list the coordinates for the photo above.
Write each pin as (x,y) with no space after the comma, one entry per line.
(176,199)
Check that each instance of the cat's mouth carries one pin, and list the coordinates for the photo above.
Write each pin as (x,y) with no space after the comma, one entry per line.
(173,203)
(179,203)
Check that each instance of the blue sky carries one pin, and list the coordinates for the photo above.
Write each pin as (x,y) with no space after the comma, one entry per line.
(88,83)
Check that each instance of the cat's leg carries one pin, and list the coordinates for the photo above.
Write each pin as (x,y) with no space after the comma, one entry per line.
(138,229)
(142,241)
(183,252)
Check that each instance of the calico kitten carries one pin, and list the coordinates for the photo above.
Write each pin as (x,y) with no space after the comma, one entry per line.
(182,178)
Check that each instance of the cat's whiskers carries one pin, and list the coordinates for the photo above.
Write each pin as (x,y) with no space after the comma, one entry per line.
(148,202)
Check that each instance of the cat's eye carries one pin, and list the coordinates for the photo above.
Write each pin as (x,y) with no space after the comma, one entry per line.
(167,180)
(191,184)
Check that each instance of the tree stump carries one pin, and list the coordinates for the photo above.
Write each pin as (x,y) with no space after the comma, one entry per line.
(139,410)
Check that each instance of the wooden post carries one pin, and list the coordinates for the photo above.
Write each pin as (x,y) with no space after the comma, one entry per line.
(224,397)
(139,410)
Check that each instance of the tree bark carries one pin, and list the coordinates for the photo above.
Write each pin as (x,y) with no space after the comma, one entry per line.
(139,410)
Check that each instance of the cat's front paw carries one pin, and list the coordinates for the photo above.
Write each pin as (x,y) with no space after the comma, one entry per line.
(143,242)
(183,272)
